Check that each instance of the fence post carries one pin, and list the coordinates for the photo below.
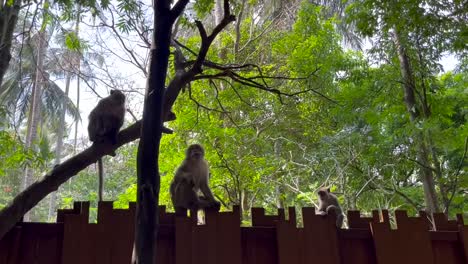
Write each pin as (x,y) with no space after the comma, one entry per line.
(410,243)
(320,238)
(76,236)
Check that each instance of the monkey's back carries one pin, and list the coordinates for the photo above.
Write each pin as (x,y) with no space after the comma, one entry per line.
(330,200)
(106,119)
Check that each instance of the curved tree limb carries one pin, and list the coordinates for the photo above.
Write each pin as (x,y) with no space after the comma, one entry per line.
(32,195)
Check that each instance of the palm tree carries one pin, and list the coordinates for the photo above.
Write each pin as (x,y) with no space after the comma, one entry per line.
(70,65)
(29,89)
(9,11)
(16,93)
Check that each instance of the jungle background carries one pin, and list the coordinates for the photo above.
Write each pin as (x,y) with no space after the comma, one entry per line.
(368,97)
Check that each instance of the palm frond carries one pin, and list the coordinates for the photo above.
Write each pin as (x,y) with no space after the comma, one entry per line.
(53,97)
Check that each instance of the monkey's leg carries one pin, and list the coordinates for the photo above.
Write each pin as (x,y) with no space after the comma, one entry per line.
(101,179)
(319,212)
(183,197)
(208,205)
(339,220)
(180,211)
(208,196)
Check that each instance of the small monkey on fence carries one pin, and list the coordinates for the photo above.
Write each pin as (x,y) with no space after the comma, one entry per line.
(105,121)
(328,204)
(191,177)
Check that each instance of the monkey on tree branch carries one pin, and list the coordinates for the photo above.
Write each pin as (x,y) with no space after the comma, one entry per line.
(192,71)
(105,121)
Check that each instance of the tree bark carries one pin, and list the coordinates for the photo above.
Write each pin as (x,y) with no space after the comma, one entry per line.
(148,178)
(422,156)
(238,30)
(8,19)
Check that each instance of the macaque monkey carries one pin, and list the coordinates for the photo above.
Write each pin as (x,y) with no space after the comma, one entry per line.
(328,204)
(191,177)
(105,121)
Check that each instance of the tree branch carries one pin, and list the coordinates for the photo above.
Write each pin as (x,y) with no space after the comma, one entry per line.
(183,78)
(178,8)
(32,195)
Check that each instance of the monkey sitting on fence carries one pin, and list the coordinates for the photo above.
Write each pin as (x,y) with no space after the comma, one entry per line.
(105,121)
(328,204)
(191,177)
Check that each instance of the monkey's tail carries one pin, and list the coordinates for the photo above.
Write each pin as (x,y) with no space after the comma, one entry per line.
(101,179)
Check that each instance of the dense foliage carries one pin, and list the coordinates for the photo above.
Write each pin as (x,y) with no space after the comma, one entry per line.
(321,114)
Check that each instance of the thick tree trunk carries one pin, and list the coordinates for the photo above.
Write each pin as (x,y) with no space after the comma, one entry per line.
(426,175)
(443,188)
(8,19)
(238,29)
(148,178)
(35,108)
(59,146)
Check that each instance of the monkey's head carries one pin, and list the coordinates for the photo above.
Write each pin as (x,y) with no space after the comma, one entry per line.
(118,96)
(323,193)
(195,151)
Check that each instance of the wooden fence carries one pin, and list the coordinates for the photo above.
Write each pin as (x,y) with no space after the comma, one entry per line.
(222,240)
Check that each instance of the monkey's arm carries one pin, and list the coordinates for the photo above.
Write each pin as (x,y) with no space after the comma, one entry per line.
(322,207)
(205,188)
(183,175)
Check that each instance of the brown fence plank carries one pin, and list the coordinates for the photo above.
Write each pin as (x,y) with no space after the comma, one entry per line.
(10,246)
(259,245)
(165,218)
(320,238)
(228,236)
(183,240)
(165,250)
(463,237)
(355,220)
(78,239)
(290,240)
(115,234)
(356,246)
(410,243)
(442,223)
(77,209)
(447,247)
(259,218)
(40,243)
(222,240)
